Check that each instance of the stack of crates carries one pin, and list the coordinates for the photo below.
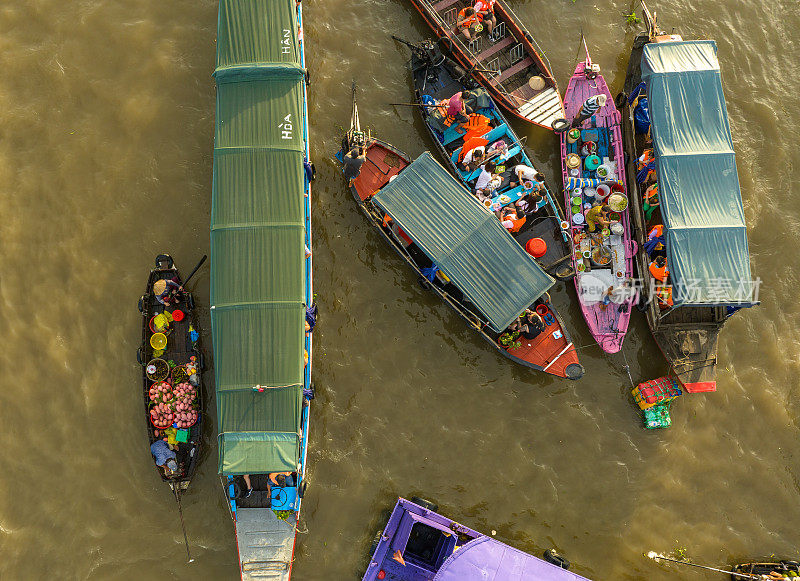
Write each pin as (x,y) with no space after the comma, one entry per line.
(654,398)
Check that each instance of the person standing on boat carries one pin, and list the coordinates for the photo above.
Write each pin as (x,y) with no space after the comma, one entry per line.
(166,291)
(165,458)
(484,9)
(468,22)
(352,162)
(591,106)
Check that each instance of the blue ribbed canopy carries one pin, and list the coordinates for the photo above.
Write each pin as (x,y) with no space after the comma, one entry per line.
(701,202)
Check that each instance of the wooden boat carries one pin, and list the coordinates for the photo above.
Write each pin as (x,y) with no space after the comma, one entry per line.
(509,65)
(777,571)
(602,260)
(261,278)
(498,261)
(687,333)
(435,79)
(182,349)
(419,543)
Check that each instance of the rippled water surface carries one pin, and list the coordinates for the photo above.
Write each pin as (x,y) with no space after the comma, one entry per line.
(106,123)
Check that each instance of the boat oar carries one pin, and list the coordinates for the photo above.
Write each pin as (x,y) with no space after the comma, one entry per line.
(655,556)
(176,489)
(199,264)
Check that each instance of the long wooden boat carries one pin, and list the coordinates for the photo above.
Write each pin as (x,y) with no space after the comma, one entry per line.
(603,260)
(167,367)
(261,283)
(509,65)
(438,81)
(478,279)
(419,543)
(770,570)
(687,333)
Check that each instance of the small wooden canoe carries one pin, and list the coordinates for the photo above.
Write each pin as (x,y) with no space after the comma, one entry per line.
(182,348)
(438,81)
(508,64)
(775,571)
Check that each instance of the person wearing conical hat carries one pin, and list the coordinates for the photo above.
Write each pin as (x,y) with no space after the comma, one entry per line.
(166,291)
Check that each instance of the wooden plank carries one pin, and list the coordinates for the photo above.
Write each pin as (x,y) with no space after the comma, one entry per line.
(443,5)
(496,47)
(511,71)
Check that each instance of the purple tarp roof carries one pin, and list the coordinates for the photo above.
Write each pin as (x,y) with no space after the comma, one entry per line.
(485,559)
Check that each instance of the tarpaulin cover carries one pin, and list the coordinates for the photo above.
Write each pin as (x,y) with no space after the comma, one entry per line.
(256,32)
(485,559)
(464,240)
(258,239)
(701,201)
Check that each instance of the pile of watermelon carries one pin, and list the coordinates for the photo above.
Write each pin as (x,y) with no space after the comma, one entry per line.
(173,405)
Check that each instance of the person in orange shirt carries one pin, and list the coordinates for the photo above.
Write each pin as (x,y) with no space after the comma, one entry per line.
(468,23)
(658,269)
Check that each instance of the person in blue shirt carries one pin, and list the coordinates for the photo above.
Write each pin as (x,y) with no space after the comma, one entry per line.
(165,458)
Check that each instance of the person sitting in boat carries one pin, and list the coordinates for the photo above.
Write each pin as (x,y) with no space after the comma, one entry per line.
(484,9)
(655,240)
(474,157)
(488,181)
(352,162)
(511,218)
(658,269)
(591,106)
(598,214)
(529,324)
(468,23)
(529,203)
(650,200)
(525,173)
(166,458)
(457,107)
(167,291)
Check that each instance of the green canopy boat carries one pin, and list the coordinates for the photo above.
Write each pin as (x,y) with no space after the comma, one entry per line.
(261,275)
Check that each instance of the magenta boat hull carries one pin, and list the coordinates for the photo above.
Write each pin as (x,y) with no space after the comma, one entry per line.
(608,325)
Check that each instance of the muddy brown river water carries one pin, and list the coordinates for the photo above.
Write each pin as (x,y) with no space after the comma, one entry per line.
(106,127)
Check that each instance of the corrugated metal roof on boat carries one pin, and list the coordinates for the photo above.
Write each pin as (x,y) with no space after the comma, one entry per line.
(258,237)
(701,201)
(467,242)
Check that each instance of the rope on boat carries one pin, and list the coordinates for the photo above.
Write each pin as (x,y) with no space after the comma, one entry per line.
(627,368)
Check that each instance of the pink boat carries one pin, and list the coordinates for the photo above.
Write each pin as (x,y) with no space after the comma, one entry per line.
(593,169)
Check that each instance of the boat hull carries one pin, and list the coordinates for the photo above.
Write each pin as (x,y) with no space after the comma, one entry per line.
(517,65)
(180,348)
(608,323)
(686,336)
(551,352)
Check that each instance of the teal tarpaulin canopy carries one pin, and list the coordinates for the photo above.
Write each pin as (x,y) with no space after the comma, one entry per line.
(465,240)
(258,238)
(701,202)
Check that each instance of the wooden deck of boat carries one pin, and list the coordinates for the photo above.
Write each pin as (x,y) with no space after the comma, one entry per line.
(547,352)
(382,163)
(510,55)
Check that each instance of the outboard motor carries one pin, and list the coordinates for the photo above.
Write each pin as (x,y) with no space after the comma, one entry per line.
(432,53)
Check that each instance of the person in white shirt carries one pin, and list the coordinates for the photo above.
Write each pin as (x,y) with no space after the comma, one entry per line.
(488,181)
(474,158)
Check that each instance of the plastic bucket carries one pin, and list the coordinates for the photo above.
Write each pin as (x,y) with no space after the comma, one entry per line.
(178,315)
(603,191)
(542,310)
(592,162)
(536,247)
(158,341)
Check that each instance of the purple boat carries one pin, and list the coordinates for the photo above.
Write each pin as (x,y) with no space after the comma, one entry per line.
(593,169)
(419,544)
